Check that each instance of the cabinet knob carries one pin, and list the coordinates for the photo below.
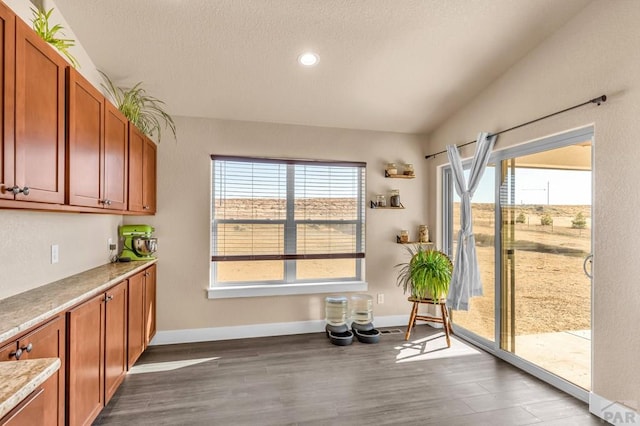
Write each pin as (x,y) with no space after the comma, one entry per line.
(16,354)
(108,298)
(105,202)
(27,348)
(108,202)
(15,190)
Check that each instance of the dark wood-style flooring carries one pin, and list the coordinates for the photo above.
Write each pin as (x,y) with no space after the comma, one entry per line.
(303,379)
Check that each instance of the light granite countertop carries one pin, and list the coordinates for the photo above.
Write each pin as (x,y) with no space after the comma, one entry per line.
(19,378)
(22,311)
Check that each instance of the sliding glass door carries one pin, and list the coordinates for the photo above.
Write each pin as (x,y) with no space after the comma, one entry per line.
(532,220)
(545,202)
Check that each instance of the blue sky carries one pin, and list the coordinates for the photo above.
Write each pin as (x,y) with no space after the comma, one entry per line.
(533,186)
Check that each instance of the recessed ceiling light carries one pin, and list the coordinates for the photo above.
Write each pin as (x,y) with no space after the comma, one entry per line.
(308,59)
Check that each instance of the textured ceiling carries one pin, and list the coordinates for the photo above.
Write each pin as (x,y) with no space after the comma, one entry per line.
(394,65)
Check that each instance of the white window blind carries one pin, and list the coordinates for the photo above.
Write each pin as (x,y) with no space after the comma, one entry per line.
(286,220)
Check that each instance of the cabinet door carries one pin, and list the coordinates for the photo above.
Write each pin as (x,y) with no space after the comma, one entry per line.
(7,95)
(136,306)
(150,304)
(136,147)
(115,339)
(116,145)
(48,341)
(40,98)
(28,412)
(149,176)
(85,361)
(85,121)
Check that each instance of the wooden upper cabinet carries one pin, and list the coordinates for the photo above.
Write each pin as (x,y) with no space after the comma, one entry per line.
(7,95)
(85,141)
(39,119)
(97,143)
(116,146)
(149,158)
(136,185)
(142,172)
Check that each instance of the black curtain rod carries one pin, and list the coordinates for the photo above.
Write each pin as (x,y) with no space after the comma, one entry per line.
(598,101)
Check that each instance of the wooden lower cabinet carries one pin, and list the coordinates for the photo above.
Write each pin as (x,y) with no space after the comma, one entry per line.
(142,312)
(150,304)
(45,341)
(96,356)
(30,411)
(97,342)
(136,338)
(115,347)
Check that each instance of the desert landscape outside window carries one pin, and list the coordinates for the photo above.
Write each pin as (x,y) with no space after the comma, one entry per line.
(539,196)
(286,221)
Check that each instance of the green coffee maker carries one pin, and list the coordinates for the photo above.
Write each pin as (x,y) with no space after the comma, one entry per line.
(138,242)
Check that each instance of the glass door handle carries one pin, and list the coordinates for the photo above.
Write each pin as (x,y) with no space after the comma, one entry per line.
(589,260)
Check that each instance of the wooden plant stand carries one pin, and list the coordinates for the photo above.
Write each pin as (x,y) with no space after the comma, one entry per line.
(444,319)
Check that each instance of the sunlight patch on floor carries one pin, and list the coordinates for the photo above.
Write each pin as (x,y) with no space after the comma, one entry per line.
(157,367)
(432,347)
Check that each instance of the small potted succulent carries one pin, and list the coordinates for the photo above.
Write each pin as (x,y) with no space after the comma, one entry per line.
(426,275)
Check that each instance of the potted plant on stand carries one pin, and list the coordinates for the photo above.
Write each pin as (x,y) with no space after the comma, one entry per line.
(426,276)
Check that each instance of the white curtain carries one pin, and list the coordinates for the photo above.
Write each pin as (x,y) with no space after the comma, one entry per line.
(465,280)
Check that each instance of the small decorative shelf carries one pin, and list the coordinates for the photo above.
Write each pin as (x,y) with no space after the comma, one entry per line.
(387,175)
(374,206)
(428,243)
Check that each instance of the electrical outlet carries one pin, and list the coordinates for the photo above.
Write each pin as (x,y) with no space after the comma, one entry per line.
(380,298)
(54,254)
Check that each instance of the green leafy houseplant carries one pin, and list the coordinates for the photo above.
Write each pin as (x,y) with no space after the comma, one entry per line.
(427,274)
(143,110)
(49,34)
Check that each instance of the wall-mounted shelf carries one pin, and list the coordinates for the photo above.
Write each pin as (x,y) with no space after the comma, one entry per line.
(428,243)
(373,205)
(387,175)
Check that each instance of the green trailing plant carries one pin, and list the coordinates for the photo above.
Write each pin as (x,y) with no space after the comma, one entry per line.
(143,110)
(427,274)
(50,34)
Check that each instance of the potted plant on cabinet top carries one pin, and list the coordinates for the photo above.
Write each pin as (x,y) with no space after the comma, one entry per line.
(40,24)
(426,275)
(145,111)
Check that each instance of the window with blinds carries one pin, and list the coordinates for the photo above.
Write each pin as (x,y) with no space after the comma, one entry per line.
(286,221)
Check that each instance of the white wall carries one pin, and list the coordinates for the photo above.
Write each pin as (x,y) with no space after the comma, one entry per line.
(183,228)
(595,53)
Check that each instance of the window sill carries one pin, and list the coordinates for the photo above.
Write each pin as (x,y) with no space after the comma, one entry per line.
(259,290)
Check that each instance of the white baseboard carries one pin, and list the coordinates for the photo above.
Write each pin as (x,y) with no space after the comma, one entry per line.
(169,337)
(612,412)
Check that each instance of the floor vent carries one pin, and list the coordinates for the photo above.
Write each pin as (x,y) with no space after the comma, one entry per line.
(391,331)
